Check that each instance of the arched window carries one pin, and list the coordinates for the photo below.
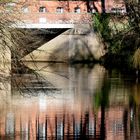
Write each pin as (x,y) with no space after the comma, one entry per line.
(77,9)
(42,9)
(59,9)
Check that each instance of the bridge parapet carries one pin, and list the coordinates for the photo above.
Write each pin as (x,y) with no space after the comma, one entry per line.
(55,18)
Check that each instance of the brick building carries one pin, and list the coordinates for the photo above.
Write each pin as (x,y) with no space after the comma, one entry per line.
(44,11)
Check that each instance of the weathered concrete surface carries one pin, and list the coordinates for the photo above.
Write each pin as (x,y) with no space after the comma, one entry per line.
(78,44)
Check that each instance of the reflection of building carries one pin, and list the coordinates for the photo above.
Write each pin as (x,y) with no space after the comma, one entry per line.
(59,119)
(31,125)
(27,123)
(114,124)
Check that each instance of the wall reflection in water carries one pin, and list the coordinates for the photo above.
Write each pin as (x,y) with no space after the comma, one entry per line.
(63,102)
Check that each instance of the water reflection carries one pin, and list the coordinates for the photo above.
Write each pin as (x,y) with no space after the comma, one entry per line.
(63,102)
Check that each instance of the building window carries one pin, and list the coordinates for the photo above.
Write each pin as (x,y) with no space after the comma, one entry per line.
(118,10)
(59,9)
(42,9)
(93,10)
(25,9)
(77,10)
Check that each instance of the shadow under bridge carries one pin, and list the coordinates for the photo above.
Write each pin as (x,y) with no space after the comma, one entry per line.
(35,38)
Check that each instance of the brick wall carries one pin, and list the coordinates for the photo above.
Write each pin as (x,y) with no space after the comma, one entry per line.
(46,11)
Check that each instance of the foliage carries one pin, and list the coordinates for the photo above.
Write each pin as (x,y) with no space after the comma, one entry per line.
(121,34)
(101,97)
(101,25)
(136,58)
(133,10)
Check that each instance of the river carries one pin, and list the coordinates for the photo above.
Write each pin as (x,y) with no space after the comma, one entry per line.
(58,101)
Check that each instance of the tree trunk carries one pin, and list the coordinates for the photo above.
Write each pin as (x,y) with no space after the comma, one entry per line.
(103,6)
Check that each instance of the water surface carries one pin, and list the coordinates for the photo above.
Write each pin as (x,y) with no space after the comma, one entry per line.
(57,101)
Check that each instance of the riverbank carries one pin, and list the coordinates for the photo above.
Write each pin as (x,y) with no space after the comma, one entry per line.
(121,38)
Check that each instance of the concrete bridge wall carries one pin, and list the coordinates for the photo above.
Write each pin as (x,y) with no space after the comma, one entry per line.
(78,44)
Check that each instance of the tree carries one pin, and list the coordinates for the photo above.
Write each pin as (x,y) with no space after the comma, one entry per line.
(103,6)
(15,41)
(88,5)
(121,34)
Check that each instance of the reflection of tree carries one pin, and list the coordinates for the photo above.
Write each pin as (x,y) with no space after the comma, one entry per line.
(65,127)
(85,126)
(101,99)
(125,122)
(134,104)
(104,103)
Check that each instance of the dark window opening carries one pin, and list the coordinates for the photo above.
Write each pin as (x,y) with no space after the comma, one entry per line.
(42,9)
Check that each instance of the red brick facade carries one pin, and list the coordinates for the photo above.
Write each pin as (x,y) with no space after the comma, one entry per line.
(42,11)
